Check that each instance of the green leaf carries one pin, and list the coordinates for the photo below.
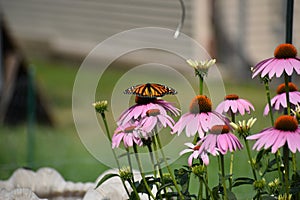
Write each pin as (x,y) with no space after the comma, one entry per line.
(105,178)
(295,185)
(183,178)
(268,198)
(216,192)
(231,195)
(242,181)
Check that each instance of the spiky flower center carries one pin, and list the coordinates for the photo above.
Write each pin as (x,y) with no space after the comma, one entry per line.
(219,129)
(285,51)
(152,112)
(129,129)
(286,123)
(200,104)
(196,148)
(144,100)
(231,97)
(281,88)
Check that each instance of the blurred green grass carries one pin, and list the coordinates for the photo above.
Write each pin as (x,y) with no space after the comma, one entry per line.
(60,147)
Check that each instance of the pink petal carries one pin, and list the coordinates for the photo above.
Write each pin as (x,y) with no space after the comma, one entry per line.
(116,140)
(185,151)
(261,65)
(271,141)
(292,141)
(204,121)
(234,106)
(180,125)
(267,68)
(222,143)
(280,141)
(190,160)
(192,127)
(296,63)
(279,67)
(205,158)
(266,110)
(220,107)
(288,67)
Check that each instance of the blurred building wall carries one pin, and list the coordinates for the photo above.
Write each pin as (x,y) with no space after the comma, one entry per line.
(238,32)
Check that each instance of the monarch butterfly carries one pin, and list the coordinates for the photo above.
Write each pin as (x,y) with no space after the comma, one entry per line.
(151,90)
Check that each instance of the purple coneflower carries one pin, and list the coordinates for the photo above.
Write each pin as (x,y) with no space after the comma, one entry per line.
(234,105)
(143,104)
(220,139)
(285,130)
(199,119)
(195,153)
(155,118)
(129,133)
(279,101)
(284,60)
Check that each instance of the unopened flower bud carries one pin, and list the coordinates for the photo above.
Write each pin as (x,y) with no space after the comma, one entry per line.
(100,106)
(259,184)
(125,173)
(198,170)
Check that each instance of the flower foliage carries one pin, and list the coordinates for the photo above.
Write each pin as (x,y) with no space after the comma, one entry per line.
(215,134)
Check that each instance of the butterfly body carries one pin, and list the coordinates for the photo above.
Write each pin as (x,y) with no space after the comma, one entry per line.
(150,90)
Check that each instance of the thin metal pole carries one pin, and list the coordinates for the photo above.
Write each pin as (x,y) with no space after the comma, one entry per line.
(289,21)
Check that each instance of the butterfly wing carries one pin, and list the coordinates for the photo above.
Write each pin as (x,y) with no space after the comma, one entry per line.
(150,90)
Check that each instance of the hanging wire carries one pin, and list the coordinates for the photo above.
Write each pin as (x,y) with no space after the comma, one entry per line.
(181,22)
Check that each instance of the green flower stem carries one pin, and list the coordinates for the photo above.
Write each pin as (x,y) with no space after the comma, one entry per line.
(158,163)
(114,153)
(286,81)
(168,167)
(286,167)
(201,80)
(109,137)
(134,189)
(130,164)
(250,158)
(231,170)
(231,156)
(141,171)
(152,159)
(157,159)
(200,190)
(294,160)
(278,160)
(207,188)
(225,197)
(201,85)
(267,88)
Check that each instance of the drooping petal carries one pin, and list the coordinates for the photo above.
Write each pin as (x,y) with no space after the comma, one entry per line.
(279,142)
(116,140)
(288,67)
(222,143)
(292,141)
(260,66)
(205,158)
(192,127)
(268,67)
(181,124)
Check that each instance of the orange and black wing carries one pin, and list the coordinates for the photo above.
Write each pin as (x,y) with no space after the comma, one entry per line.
(151,90)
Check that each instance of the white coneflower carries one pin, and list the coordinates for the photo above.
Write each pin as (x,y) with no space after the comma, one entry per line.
(243,127)
(201,67)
